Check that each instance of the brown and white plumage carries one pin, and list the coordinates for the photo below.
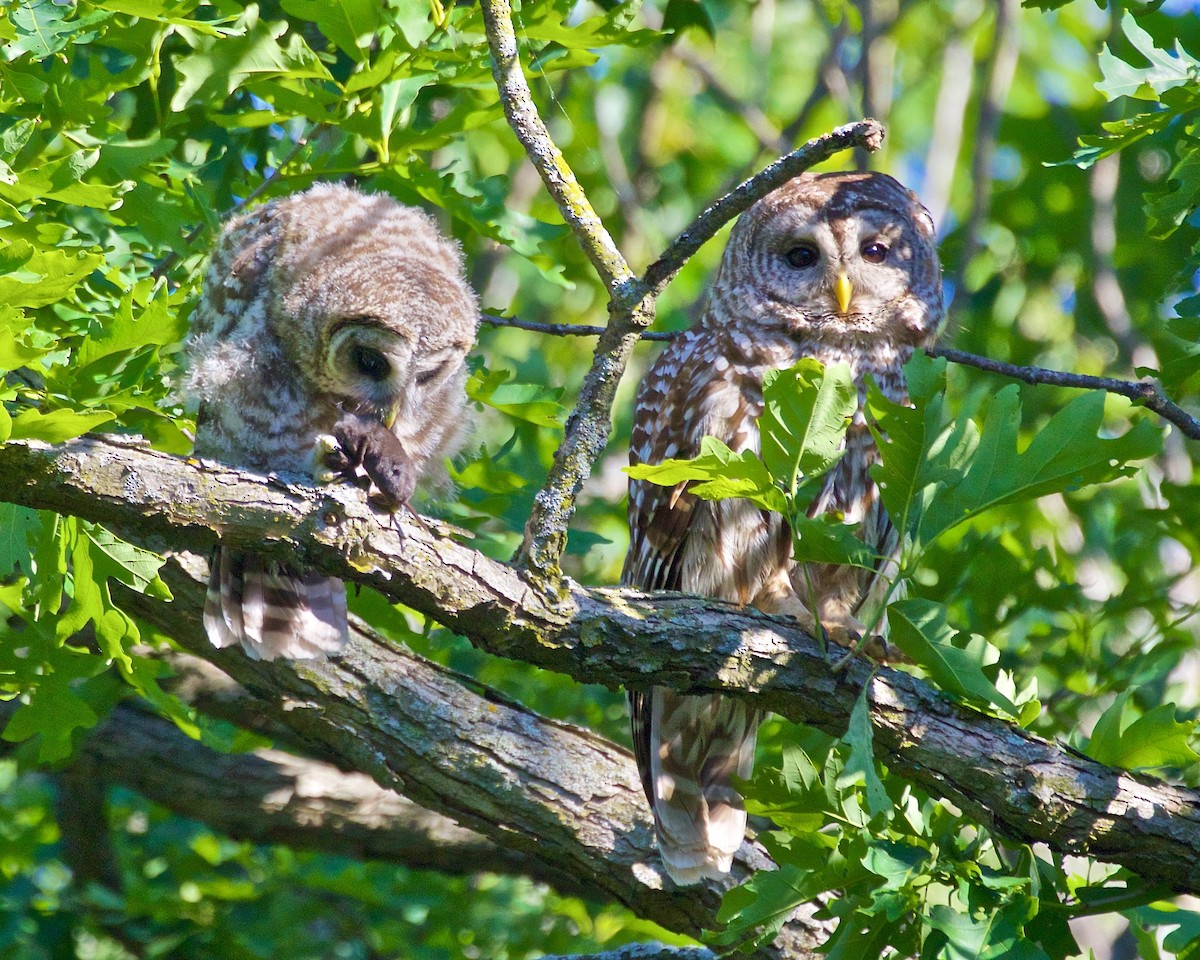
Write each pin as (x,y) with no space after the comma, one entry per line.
(841,267)
(318,307)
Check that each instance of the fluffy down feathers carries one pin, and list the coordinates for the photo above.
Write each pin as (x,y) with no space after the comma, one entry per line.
(316,307)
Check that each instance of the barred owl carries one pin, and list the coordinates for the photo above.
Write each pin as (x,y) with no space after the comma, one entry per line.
(332,329)
(841,267)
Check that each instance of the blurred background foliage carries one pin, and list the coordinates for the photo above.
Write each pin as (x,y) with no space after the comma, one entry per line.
(130,128)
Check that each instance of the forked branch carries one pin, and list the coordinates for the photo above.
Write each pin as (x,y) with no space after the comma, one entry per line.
(631,299)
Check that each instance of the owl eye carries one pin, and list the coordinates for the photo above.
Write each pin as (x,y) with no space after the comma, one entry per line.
(370,363)
(801,255)
(425,376)
(875,251)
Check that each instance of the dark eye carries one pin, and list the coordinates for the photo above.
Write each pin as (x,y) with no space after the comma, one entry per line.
(370,363)
(801,255)
(426,375)
(874,252)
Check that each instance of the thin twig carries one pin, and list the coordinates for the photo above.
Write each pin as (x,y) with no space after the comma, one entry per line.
(567,329)
(866,133)
(1147,393)
(644,951)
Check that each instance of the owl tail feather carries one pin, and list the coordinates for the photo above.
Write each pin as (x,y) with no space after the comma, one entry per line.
(697,745)
(272,609)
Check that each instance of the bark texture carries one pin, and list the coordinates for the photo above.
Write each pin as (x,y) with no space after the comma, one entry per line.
(386,717)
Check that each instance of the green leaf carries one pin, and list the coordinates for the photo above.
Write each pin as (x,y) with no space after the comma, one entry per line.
(1066,454)
(42,28)
(18,528)
(1168,207)
(860,936)
(14,354)
(1155,739)
(483,474)
(806,410)
(717,474)
(219,65)
(919,628)
(156,323)
(55,711)
(133,566)
(917,448)
(62,180)
(1165,72)
(681,15)
(521,401)
(860,761)
(45,276)
(898,863)
(792,796)
(826,539)
(57,425)
(933,478)
(992,936)
(350,24)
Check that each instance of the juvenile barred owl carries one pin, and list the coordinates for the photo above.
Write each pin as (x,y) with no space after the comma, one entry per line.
(327,315)
(841,267)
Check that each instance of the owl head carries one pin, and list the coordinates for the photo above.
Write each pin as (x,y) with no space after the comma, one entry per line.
(368,300)
(846,258)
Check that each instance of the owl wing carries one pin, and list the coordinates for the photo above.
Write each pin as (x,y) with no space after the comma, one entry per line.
(688,748)
(659,520)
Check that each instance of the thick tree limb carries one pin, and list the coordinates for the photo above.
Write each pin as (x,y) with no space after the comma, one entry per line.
(269,796)
(1026,788)
(541,789)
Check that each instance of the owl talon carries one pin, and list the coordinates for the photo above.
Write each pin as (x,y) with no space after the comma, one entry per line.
(329,461)
(874,647)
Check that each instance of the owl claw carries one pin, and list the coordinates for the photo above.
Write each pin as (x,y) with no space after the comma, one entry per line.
(874,646)
(329,463)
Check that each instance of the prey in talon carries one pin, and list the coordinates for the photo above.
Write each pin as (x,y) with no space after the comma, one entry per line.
(365,443)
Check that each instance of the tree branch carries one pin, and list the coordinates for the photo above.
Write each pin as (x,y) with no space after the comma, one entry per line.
(540,789)
(1147,393)
(270,796)
(566,329)
(631,300)
(1024,787)
(864,133)
(631,310)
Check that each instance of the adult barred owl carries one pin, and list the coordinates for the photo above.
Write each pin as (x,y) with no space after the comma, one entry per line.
(331,330)
(841,267)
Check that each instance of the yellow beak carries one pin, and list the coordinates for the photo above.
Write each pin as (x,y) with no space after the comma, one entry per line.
(389,418)
(843,292)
